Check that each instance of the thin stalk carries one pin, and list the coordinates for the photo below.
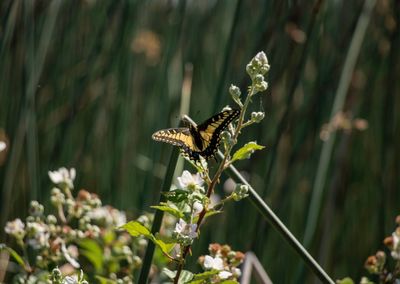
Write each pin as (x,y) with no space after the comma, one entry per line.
(228,53)
(222,166)
(144,273)
(340,98)
(278,225)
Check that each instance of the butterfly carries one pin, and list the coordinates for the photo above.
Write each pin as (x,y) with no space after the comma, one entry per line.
(201,140)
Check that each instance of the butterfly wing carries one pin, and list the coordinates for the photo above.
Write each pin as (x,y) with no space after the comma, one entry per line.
(201,140)
(210,131)
(180,137)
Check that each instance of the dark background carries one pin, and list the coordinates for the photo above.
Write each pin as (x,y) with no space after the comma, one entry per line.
(84,84)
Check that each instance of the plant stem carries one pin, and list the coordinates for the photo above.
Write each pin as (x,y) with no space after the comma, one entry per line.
(222,166)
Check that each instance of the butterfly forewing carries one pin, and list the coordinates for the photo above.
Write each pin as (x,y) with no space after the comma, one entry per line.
(207,135)
(211,130)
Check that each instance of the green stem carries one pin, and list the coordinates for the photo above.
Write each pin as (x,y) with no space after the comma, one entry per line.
(222,166)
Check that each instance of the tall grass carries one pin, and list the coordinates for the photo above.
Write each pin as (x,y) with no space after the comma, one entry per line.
(86,84)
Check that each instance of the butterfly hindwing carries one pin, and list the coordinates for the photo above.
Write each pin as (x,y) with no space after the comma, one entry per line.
(175,136)
(201,140)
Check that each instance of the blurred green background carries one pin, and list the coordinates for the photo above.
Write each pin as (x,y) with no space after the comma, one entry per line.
(84,84)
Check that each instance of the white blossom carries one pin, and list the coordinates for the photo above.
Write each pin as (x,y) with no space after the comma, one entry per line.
(184,229)
(71,280)
(38,235)
(3,146)
(224,274)
(15,228)
(213,263)
(396,246)
(110,216)
(63,176)
(187,180)
(69,254)
(197,207)
(236,272)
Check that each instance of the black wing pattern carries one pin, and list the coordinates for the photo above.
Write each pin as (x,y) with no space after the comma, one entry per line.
(210,131)
(202,140)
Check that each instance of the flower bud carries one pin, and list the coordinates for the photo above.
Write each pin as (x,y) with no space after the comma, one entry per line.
(257,116)
(261,87)
(56,275)
(258,65)
(258,79)
(241,191)
(51,219)
(234,91)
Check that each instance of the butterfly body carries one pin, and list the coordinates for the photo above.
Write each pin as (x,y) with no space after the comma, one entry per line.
(201,140)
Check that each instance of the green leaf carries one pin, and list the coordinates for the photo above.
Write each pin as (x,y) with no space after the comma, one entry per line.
(165,247)
(229,282)
(93,252)
(346,280)
(109,236)
(177,195)
(205,275)
(136,229)
(246,151)
(14,254)
(166,208)
(104,280)
(185,277)
(169,273)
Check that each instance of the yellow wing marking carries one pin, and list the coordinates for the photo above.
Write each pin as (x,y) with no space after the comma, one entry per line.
(176,136)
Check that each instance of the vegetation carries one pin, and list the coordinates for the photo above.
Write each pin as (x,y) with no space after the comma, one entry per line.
(86,84)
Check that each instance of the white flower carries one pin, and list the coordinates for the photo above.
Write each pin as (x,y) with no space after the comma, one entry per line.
(396,246)
(63,175)
(69,253)
(71,280)
(15,228)
(3,146)
(184,229)
(197,207)
(213,263)
(236,272)
(38,235)
(110,216)
(224,274)
(119,217)
(187,180)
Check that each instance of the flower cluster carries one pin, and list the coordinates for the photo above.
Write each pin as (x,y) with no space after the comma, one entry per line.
(379,264)
(80,232)
(192,201)
(223,261)
(256,69)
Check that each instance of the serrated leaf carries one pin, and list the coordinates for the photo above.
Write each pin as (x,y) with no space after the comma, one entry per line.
(205,275)
(169,273)
(185,277)
(104,280)
(165,247)
(346,280)
(168,209)
(177,195)
(93,252)
(136,229)
(14,254)
(246,151)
